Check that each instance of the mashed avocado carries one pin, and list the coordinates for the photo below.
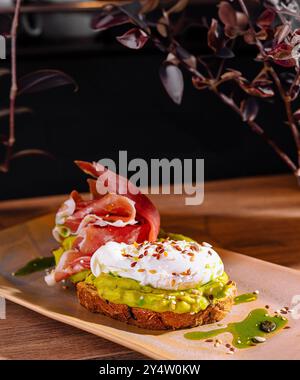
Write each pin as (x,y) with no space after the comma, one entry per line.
(129,292)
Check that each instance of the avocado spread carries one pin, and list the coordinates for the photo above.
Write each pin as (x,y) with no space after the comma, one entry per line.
(126,291)
(129,292)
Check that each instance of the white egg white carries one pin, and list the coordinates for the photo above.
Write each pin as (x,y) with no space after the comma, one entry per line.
(165,265)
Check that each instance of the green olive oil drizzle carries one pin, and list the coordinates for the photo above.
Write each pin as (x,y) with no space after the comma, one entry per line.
(243,332)
(247,297)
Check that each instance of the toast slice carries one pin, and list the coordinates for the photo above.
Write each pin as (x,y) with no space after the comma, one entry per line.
(88,297)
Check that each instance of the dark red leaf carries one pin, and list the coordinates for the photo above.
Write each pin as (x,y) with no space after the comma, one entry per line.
(266,19)
(249,108)
(172,80)
(282,32)
(259,89)
(43,80)
(297,115)
(282,55)
(231,74)
(295,86)
(227,14)
(133,39)
(215,39)
(199,83)
(108,19)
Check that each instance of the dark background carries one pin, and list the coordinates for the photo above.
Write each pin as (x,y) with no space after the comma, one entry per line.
(121,105)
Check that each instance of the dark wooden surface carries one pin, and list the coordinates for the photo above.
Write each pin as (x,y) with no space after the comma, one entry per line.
(259,217)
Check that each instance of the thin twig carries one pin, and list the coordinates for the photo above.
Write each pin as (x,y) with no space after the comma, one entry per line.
(288,108)
(257,129)
(14,88)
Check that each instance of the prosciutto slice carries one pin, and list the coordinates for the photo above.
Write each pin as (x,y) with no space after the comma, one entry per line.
(95,237)
(112,182)
(71,262)
(110,209)
(122,214)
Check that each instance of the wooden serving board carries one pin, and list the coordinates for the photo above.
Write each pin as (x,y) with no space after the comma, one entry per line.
(277,286)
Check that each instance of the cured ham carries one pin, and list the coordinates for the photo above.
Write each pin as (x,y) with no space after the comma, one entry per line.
(112,182)
(117,211)
(109,209)
(71,262)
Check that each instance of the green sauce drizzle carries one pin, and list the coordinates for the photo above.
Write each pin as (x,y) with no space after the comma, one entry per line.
(243,332)
(247,297)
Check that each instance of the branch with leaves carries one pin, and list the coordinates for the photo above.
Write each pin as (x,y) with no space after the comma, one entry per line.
(34,82)
(270,26)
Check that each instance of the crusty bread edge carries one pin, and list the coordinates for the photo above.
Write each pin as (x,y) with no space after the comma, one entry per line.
(88,297)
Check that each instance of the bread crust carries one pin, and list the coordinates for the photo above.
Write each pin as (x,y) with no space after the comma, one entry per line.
(88,297)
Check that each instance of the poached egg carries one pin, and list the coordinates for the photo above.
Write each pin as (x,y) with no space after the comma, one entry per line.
(170,264)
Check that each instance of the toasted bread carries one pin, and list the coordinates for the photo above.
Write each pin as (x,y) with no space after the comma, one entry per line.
(148,319)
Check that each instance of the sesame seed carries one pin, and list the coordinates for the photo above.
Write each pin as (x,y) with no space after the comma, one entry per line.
(259,339)
(206,244)
(141,270)
(152,271)
(256,292)
(209,340)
